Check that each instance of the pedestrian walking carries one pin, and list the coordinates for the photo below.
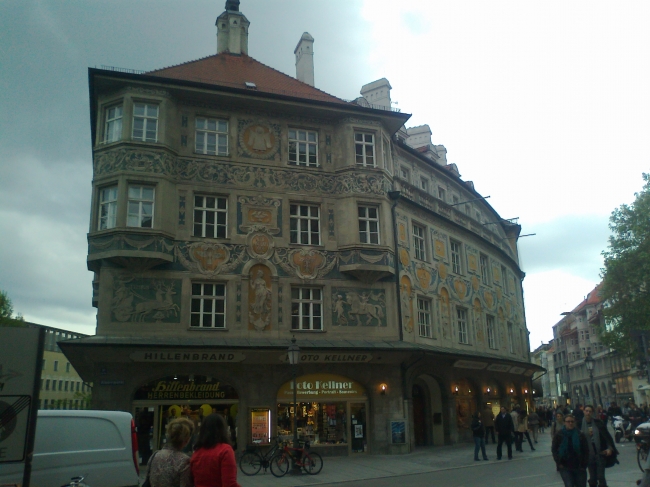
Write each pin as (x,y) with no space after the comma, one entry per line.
(570,450)
(170,467)
(557,424)
(478,431)
(505,429)
(601,446)
(534,423)
(213,462)
(488,423)
(514,414)
(522,431)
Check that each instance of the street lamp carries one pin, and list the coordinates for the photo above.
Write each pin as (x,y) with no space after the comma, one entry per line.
(589,362)
(294,357)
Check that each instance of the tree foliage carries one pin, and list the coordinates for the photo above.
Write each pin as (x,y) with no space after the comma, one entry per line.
(625,290)
(7,317)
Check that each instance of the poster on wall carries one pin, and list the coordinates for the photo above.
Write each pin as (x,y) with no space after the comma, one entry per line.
(358,431)
(260,425)
(398,432)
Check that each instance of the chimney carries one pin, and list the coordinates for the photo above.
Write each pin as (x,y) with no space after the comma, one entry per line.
(232,30)
(377,93)
(305,59)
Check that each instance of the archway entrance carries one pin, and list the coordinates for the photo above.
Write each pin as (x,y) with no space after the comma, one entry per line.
(428,428)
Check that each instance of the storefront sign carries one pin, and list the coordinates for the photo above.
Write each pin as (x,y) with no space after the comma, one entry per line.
(517,370)
(332,358)
(187,356)
(321,386)
(499,368)
(111,382)
(180,390)
(468,364)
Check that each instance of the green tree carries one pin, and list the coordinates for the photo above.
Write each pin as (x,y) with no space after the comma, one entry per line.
(6,312)
(625,290)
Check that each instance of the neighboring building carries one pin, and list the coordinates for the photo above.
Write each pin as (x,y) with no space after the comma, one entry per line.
(575,338)
(235,207)
(544,387)
(61,386)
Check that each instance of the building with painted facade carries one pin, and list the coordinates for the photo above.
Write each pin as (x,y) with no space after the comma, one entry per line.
(235,207)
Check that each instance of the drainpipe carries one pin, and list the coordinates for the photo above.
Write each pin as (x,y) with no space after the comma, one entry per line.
(395,196)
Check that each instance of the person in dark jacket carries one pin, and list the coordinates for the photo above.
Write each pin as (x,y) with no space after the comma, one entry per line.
(601,445)
(478,431)
(570,450)
(505,429)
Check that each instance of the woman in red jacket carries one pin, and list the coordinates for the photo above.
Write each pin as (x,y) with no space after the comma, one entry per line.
(213,463)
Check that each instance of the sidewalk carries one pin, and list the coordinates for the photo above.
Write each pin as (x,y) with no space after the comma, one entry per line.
(428,459)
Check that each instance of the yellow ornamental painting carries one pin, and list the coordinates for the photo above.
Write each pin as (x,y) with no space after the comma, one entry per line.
(439,247)
(402,232)
(424,277)
(471,261)
(442,270)
(489,299)
(404,257)
(475,283)
(461,288)
(499,294)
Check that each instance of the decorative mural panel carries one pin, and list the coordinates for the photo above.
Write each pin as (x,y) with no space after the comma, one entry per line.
(210,259)
(330,223)
(260,244)
(259,211)
(145,300)
(362,307)
(259,298)
(181,210)
(445,313)
(127,241)
(259,139)
(478,322)
(215,172)
(406,297)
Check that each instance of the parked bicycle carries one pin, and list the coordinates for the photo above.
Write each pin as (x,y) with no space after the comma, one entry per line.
(311,462)
(252,461)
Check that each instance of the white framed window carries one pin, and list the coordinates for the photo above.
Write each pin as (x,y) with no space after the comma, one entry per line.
(107,207)
(424,184)
(424,317)
(511,338)
(419,242)
(442,194)
(208,305)
(113,124)
(140,206)
(368,224)
(504,278)
(405,174)
(491,332)
(461,320)
(145,122)
(304,224)
(303,147)
(210,216)
(211,136)
(456,266)
(306,308)
(56,365)
(484,264)
(364,149)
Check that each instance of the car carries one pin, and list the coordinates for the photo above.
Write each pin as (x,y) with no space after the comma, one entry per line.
(98,445)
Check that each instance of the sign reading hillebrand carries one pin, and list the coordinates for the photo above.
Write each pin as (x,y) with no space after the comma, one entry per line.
(325,386)
(187,356)
(176,390)
(332,358)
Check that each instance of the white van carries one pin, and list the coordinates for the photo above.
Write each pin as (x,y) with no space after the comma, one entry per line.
(98,445)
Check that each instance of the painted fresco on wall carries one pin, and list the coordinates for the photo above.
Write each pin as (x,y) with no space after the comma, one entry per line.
(445,313)
(478,321)
(259,298)
(259,139)
(358,307)
(406,298)
(146,300)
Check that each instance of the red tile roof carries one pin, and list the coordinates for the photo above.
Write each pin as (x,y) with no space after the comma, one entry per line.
(235,70)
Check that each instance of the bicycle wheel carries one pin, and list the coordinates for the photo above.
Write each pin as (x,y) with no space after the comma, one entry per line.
(280,464)
(250,463)
(312,463)
(641,457)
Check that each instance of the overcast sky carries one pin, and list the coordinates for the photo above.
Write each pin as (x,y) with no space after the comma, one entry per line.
(544,105)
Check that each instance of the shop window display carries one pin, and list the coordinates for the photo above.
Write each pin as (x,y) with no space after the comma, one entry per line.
(320,423)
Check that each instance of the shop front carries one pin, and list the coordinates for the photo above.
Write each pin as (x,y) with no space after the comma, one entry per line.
(332,413)
(193,397)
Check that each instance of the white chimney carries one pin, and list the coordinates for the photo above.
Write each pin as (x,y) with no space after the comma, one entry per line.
(377,93)
(305,59)
(232,30)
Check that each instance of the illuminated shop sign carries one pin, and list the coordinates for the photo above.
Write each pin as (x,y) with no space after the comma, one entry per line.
(187,356)
(170,389)
(325,386)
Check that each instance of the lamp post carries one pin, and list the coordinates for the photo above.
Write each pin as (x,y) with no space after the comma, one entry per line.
(589,362)
(294,357)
